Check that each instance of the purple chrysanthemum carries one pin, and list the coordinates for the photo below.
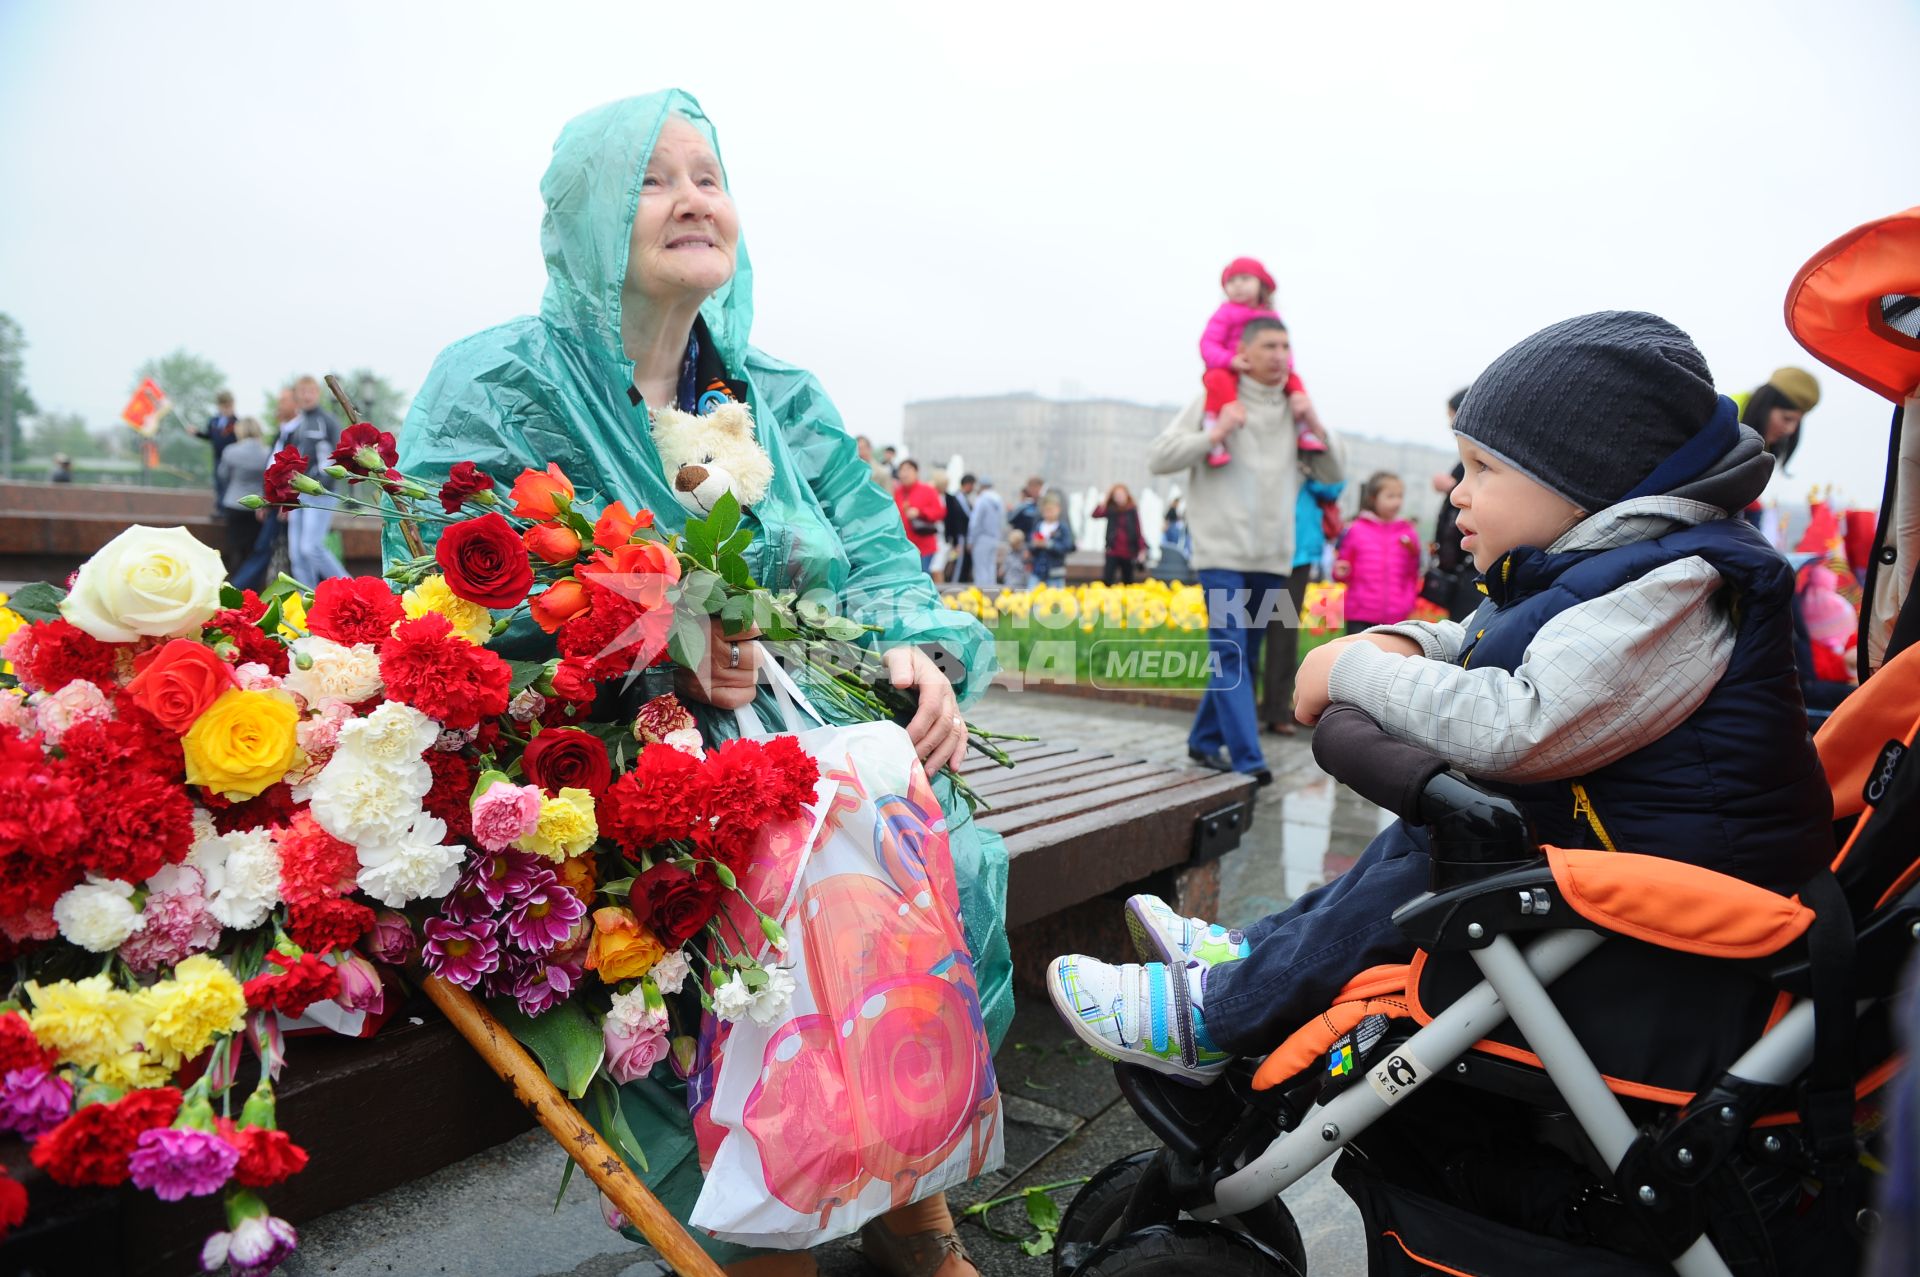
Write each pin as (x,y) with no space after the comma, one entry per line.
(544,916)
(461,952)
(172,1163)
(33,1101)
(545,986)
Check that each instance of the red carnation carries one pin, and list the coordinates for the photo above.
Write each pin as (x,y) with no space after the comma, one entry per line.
(19,1049)
(135,823)
(795,773)
(314,865)
(92,1146)
(739,780)
(485,562)
(60,652)
(674,903)
(299,984)
(568,758)
(378,444)
(134,741)
(614,636)
(13,1204)
(254,645)
(325,923)
(354,609)
(266,1156)
(277,484)
(451,797)
(39,827)
(464,480)
(664,798)
(443,677)
(273,806)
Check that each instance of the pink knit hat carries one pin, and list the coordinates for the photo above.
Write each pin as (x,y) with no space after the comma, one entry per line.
(1247,266)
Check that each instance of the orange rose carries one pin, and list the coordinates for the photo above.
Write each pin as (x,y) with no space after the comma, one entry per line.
(647,568)
(577,874)
(622,949)
(534,490)
(177,683)
(615,526)
(554,542)
(558,604)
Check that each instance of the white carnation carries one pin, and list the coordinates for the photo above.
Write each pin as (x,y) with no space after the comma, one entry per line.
(337,671)
(630,1011)
(771,1003)
(242,871)
(413,866)
(98,915)
(392,736)
(670,973)
(365,804)
(732,1000)
(686,740)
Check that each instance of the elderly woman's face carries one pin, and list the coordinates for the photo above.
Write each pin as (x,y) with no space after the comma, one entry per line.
(685,231)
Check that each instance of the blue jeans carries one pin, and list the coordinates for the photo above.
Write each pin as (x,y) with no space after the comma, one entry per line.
(1235,625)
(1301,956)
(307,540)
(252,575)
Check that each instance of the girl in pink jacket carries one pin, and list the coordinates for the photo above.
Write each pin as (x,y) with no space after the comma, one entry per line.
(1249,290)
(1379,557)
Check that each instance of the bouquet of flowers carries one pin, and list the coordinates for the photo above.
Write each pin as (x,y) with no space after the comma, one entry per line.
(232,814)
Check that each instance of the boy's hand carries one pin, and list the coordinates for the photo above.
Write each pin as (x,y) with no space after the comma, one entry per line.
(1310,698)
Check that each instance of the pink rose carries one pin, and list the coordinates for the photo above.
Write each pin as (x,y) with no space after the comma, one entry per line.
(361,988)
(392,940)
(636,1036)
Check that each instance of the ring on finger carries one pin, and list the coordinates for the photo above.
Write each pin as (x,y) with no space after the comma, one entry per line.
(733,656)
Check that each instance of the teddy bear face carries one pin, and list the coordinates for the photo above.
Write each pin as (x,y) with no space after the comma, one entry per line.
(706,456)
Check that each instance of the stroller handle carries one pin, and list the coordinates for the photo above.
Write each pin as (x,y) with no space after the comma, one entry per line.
(1357,752)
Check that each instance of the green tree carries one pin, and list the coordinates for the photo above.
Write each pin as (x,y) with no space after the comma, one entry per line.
(190,383)
(63,432)
(16,402)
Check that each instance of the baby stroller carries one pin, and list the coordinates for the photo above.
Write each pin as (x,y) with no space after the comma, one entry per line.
(1597,1063)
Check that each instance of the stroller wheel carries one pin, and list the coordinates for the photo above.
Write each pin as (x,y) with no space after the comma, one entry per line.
(1185,1248)
(1095,1218)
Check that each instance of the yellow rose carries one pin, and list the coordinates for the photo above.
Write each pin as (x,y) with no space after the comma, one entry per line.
(567,826)
(243,743)
(87,1021)
(10,621)
(470,621)
(622,948)
(146,581)
(200,1002)
(293,616)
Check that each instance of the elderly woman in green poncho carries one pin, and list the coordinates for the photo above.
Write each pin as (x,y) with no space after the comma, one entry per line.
(648,304)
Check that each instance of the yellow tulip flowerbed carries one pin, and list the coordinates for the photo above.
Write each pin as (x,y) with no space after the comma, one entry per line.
(1151,635)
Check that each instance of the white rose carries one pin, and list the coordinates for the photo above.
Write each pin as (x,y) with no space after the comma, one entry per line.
(671,972)
(394,735)
(771,1003)
(338,672)
(732,1000)
(411,867)
(98,915)
(364,804)
(146,581)
(242,872)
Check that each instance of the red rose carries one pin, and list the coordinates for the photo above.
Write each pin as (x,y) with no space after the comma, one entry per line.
(465,480)
(573,682)
(177,682)
(92,1146)
(377,443)
(354,609)
(266,1156)
(558,604)
(484,562)
(277,484)
(444,677)
(674,903)
(568,758)
(552,542)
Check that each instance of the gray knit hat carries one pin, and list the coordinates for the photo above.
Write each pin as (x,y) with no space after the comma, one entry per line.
(1590,406)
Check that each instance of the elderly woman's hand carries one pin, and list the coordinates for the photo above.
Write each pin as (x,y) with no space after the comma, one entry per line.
(727,674)
(938,730)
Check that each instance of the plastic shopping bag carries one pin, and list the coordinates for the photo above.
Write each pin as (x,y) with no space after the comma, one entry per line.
(877,1088)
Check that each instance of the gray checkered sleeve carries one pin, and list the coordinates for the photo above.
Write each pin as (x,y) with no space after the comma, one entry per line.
(1438,640)
(1598,681)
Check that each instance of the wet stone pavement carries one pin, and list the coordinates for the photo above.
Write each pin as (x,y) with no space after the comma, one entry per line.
(494,1215)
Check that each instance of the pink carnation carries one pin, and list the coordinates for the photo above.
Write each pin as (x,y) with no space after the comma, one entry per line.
(177,921)
(255,677)
(78,702)
(34,923)
(172,1163)
(33,1102)
(14,712)
(505,814)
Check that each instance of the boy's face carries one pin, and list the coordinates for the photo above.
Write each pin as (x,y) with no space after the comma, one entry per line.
(1244,289)
(1502,509)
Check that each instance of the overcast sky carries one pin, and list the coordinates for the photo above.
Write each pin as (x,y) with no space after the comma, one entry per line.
(964,199)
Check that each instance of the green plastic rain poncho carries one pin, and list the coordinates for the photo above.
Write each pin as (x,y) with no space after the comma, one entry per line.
(555,388)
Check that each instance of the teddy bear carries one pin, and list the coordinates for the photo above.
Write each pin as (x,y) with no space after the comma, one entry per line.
(706,456)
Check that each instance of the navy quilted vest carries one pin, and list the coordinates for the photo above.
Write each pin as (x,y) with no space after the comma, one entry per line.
(1736,788)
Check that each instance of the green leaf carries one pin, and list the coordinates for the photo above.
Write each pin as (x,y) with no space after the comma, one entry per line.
(231,597)
(1041,1245)
(846,631)
(525,675)
(686,639)
(734,570)
(270,619)
(614,1126)
(737,543)
(617,888)
(1044,1213)
(737,613)
(702,590)
(564,1040)
(280,587)
(36,602)
(700,539)
(566,1178)
(724,519)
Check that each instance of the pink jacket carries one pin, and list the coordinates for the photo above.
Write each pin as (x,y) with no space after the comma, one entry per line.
(1221,340)
(1380,563)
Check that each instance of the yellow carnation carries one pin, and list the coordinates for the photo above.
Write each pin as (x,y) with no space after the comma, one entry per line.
(87,1021)
(132,1070)
(470,621)
(566,827)
(243,743)
(201,1002)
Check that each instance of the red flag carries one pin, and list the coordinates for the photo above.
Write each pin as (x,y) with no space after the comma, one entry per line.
(143,412)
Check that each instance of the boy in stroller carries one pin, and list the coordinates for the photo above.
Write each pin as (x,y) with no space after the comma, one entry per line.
(1629,683)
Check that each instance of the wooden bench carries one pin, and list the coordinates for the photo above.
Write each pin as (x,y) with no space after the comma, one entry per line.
(1080,824)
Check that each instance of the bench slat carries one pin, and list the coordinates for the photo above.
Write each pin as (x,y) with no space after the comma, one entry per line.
(1108,774)
(1027,775)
